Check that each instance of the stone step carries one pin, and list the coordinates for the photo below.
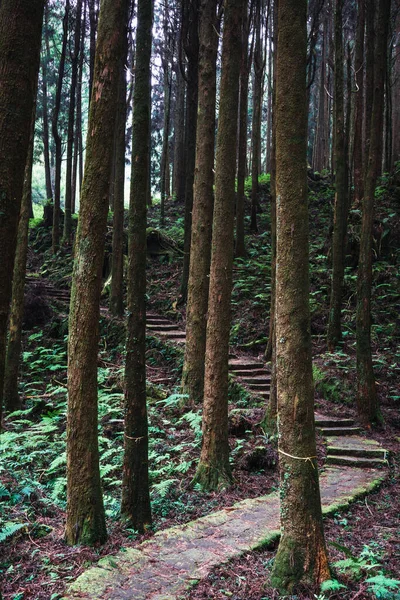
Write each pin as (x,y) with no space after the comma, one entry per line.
(163,326)
(357,452)
(339,430)
(257,379)
(327,422)
(157,320)
(240,364)
(353,461)
(259,386)
(245,372)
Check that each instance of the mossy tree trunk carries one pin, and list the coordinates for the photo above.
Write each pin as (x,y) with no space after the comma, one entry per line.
(190,35)
(367,400)
(20,34)
(116,293)
(341,190)
(301,557)
(203,202)
(85,512)
(213,470)
(11,397)
(135,506)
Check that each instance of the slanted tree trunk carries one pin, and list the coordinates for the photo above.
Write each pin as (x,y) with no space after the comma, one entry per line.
(117,268)
(213,470)
(71,122)
(11,397)
(135,506)
(341,191)
(367,400)
(301,557)
(191,45)
(56,133)
(20,33)
(85,512)
(359,106)
(200,252)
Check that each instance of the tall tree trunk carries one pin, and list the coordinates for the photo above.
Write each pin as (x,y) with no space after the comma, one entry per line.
(367,400)
(56,133)
(245,63)
(396,96)
(85,512)
(20,33)
(178,187)
(359,106)
(256,125)
(46,151)
(93,20)
(164,153)
(200,252)
(78,128)
(341,191)
(11,397)
(135,504)
(117,268)
(213,470)
(370,10)
(71,122)
(301,557)
(192,51)
(320,145)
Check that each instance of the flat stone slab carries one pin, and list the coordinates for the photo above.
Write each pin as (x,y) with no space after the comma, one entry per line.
(176,558)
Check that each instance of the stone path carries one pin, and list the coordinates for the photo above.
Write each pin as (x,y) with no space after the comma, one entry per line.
(175,559)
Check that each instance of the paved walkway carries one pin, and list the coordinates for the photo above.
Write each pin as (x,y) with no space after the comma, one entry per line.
(175,559)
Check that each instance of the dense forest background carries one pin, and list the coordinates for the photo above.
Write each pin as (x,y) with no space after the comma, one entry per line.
(232,169)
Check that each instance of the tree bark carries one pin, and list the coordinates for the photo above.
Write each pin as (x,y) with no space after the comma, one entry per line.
(213,470)
(46,145)
(359,106)
(341,191)
(200,252)
(256,125)
(135,506)
(367,400)
(85,512)
(301,557)
(396,96)
(20,33)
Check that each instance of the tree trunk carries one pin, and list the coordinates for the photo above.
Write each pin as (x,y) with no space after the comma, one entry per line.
(117,268)
(20,32)
(93,20)
(200,252)
(396,96)
(301,557)
(85,512)
(367,400)
(192,52)
(256,125)
(46,151)
(359,106)
(213,470)
(320,144)
(178,187)
(56,134)
(370,10)
(78,128)
(71,122)
(341,192)
(11,397)
(135,506)
(245,64)
(164,153)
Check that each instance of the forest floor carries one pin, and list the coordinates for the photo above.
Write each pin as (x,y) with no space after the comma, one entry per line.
(35,562)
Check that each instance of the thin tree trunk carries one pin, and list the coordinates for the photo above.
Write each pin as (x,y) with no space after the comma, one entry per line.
(20,34)
(164,153)
(341,191)
(46,151)
(85,511)
(301,557)
(135,504)
(192,51)
(359,106)
(78,128)
(71,122)
(256,125)
(179,128)
(396,96)
(117,269)
(213,470)
(56,134)
(367,400)
(93,19)
(200,252)
(12,399)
